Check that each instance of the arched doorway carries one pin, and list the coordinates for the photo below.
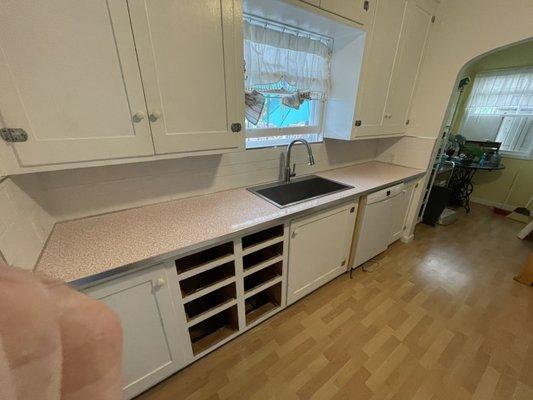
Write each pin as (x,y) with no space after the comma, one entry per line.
(499,114)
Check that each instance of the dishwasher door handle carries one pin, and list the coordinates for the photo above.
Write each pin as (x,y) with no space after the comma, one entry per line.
(385,199)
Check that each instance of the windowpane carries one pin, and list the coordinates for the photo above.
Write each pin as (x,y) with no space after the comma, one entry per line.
(288,70)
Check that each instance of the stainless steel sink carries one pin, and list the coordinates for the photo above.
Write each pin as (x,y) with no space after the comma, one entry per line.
(283,194)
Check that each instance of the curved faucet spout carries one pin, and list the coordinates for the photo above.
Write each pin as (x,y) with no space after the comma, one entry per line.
(288,172)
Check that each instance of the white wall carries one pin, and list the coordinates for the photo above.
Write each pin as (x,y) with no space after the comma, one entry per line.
(463,31)
(409,151)
(24,226)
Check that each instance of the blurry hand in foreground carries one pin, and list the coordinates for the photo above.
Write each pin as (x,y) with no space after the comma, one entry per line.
(56,343)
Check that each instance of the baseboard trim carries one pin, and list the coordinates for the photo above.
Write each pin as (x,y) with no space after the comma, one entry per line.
(490,203)
(408,238)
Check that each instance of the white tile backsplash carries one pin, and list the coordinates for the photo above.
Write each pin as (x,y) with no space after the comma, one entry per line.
(24,226)
(409,151)
(79,193)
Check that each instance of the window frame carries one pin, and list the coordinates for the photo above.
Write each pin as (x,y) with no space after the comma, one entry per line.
(501,111)
(525,155)
(304,132)
(312,133)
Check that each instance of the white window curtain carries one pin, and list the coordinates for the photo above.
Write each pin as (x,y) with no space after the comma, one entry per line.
(502,92)
(276,54)
(500,108)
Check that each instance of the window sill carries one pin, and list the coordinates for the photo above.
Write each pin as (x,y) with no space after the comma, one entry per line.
(280,140)
(507,154)
(278,145)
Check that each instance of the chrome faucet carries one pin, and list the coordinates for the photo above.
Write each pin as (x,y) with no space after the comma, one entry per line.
(289,173)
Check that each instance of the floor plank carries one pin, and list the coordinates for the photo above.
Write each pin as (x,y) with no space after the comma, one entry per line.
(438,318)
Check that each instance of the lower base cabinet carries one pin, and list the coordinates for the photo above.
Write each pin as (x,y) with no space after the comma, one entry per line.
(154,342)
(319,249)
(178,311)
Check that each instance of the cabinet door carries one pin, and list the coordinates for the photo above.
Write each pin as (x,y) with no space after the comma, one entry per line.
(356,10)
(400,206)
(417,22)
(155,344)
(382,49)
(69,77)
(318,250)
(190,53)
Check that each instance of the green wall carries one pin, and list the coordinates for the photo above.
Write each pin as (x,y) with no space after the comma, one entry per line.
(514,185)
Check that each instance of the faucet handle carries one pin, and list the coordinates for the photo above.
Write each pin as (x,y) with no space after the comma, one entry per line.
(293,170)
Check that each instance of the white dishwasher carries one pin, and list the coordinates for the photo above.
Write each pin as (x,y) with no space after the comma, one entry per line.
(383,217)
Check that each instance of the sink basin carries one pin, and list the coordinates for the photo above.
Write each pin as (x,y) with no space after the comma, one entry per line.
(283,194)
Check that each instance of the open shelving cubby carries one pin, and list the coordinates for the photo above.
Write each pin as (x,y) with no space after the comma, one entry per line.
(203,280)
(213,330)
(195,309)
(262,303)
(262,276)
(205,258)
(257,238)
(261,256)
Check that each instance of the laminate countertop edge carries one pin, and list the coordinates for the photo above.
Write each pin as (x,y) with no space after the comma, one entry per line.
(70,237)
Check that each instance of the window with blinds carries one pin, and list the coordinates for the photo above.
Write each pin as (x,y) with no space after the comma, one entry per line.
(500,108)
(287,81)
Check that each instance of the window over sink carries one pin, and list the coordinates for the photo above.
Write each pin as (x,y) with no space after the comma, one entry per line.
(287,81)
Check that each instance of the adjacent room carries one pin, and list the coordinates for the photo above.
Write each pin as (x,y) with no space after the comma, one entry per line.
(250,199)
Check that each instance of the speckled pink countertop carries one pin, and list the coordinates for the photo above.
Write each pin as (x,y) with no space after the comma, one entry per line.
(87,249)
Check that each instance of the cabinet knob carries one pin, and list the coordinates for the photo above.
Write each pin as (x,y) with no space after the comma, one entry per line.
(160,282)
(154,116)
(137,117)
(236,127)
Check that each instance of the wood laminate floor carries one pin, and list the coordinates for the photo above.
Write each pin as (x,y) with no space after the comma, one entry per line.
(439,318)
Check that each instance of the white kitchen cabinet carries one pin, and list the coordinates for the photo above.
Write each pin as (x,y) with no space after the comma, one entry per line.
(102,81)
(355,10)
(319,249)
(400,205)
(155,335)
(382,50)
(190,53)
(415,31)
(392,60)
(69,77)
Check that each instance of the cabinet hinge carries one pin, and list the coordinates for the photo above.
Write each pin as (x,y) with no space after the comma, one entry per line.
(358,122)
(433,19)
(352,210)
(407,122)
(13,135)
(343,263)
(366,5)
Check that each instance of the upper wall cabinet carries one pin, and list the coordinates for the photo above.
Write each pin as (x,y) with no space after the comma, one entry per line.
(393,56)
(415,31)
(107,79)
(69,77)
(356,10)
(194,85)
